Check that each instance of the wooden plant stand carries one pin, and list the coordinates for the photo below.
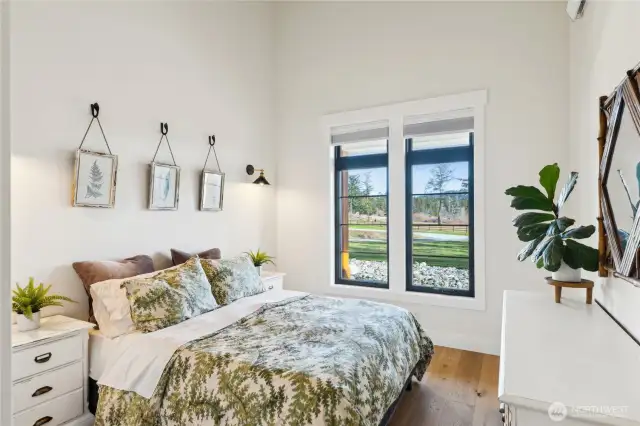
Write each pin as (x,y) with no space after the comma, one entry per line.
(588,284)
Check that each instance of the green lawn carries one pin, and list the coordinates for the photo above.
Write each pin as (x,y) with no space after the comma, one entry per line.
(437,253)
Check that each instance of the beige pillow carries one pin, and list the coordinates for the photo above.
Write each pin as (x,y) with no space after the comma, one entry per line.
(91,272)
(111,307)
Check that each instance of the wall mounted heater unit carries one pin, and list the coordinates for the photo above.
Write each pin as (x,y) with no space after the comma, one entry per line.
(575,8)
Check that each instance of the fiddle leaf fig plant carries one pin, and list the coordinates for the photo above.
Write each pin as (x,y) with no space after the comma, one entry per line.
(550,237)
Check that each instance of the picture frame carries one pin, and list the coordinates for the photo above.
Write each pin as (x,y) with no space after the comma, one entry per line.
(211,190)
(94,183)
(164,186)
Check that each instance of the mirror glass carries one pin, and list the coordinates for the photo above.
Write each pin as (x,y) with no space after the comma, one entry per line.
(623,183)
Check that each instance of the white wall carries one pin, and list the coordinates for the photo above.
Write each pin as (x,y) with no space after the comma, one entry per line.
(342,56)
(203,67)
(601,53)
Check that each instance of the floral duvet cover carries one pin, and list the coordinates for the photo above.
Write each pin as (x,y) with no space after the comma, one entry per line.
(303,361)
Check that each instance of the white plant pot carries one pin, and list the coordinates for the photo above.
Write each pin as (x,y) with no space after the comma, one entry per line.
(259,269)
(567,274)
(26,324)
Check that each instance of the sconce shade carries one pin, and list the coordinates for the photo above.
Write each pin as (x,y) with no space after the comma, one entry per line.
(261,179)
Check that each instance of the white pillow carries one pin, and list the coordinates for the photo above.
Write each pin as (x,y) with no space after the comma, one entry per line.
(111,307)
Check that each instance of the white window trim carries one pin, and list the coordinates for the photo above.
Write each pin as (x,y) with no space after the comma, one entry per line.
(442,107)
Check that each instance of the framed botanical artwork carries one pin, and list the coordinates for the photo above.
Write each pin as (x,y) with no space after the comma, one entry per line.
(164,186)
(94,183)
(211,190)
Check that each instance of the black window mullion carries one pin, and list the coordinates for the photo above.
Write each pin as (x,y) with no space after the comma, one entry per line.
(434,194)
(440,155)
(360,162)
(363,196)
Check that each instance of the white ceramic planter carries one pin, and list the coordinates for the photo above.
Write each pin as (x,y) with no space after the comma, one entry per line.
(567,274)
(259,269)
(26,324)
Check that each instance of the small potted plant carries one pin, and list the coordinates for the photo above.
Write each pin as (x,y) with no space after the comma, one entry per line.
(551,242)
(28,301)
(260,258)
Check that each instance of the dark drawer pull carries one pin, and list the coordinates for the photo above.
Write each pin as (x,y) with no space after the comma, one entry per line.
(43,358)
(43,421)
(42,391)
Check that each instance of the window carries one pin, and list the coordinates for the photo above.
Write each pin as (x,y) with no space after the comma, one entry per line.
(439,208)
(361,188)
(407,210)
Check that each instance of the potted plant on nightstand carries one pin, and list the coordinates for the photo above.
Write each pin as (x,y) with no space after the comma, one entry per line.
(28,302)
(260,258)
(551,242)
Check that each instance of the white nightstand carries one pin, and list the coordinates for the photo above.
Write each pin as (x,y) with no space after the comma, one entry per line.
(273,280)
(49,369)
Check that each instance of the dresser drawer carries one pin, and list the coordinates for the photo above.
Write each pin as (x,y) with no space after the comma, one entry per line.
(46,386)
(52,413)
(45,357)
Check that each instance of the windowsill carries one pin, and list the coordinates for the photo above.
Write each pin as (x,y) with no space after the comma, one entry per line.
(409,297)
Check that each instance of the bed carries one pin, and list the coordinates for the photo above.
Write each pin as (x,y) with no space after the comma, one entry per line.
(277,358)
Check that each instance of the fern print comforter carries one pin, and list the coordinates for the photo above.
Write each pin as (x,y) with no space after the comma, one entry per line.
(303,361)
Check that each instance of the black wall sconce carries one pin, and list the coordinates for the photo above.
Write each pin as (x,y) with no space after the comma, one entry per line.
(261,179)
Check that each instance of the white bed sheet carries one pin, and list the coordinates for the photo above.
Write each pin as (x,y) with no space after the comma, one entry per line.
(135,362)
(103,350)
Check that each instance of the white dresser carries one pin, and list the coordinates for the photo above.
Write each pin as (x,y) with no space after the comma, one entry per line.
(273,280)
(568,364)
(49,371)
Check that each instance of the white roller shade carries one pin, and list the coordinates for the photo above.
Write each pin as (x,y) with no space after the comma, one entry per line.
(452,125)
(454,122)
(360,132)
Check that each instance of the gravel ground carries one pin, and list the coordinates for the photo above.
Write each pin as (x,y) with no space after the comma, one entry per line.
(423,274)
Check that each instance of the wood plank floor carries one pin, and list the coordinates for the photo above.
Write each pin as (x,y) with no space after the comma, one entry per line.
(459,389)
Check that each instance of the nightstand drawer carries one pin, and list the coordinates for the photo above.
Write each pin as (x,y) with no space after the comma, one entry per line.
(54,412)
(45,357)
(272,280)
(46,386)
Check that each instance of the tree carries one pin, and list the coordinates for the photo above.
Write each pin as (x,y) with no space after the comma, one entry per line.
(354,185)
(441,175)
(368,204)
(95,181)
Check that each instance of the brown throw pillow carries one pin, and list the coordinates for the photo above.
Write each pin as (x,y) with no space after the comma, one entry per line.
(91,272)
(179,257)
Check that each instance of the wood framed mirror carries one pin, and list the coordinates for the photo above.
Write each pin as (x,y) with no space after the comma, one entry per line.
(619,179)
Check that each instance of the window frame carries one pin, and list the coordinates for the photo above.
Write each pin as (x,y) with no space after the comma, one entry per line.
(346,163)
(438,156)
(471,104)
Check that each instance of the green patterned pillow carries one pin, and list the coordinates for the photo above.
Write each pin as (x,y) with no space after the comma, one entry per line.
(232,279)
(169,297)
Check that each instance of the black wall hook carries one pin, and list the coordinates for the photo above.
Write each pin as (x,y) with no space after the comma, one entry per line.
(212,143)
(164,128)
(95,111)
